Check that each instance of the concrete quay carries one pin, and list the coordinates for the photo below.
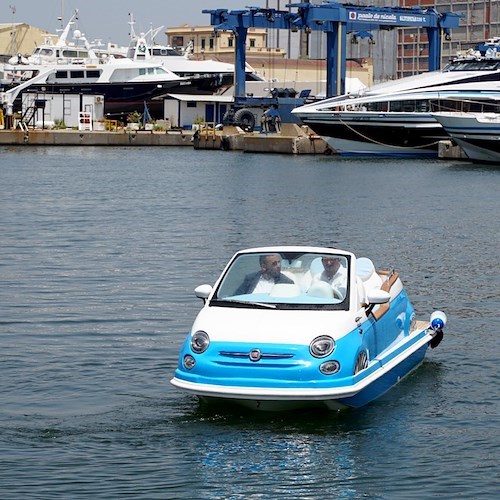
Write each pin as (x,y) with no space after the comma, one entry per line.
(449,151)
(95,138)
(292,139)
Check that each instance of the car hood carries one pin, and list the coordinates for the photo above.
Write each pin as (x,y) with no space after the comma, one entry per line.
(228,324)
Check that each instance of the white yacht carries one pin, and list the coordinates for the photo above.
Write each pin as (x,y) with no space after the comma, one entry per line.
(126,83)
(478,134)
(210,74)
(396,118)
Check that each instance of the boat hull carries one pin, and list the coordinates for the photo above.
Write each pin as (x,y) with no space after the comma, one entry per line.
(120,99)
(483,150)
(478,136)
(379,134)
(383,374)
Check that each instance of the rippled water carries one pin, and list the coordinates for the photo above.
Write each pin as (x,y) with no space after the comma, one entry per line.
(100,251)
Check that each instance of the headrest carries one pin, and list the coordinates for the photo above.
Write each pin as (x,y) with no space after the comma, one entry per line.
(364,268)
(320,289)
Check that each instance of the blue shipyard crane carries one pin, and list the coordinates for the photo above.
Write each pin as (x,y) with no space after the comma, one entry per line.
(336,20)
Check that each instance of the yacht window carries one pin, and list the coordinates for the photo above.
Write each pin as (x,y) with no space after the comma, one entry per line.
(396,106)
(93,73)
(447,105)
(46,52)
(473,65)
(160,71)
(61,74)
(422,106)
(408,106)
(377,106)
(77,74)
(74,53)
(142,71)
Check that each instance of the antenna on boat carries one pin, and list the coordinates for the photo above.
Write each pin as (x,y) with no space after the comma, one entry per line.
(13,32)
(65,31)
(132,34)
(61,17)
(153,33)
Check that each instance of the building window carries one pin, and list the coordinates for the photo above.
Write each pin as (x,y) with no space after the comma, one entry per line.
(252,42)
(211,44)
(191,104)
(178,41)
(230,42)
(203,44)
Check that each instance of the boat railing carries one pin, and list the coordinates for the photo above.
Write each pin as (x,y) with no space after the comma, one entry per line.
(206,130)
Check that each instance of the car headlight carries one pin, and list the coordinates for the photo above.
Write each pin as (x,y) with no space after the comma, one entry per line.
(188,362)
(329,367)
(322,346)
(200,342)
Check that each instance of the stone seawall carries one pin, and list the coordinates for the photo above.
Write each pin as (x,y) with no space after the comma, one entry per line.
(87,138)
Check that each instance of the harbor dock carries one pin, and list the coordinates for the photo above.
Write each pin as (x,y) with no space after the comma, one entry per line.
(94,138)
(292,139)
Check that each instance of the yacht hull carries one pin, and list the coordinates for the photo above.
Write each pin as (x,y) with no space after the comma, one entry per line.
(123,98)
(378,134)
(478,135)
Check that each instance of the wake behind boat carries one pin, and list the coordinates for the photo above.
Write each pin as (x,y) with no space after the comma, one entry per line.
(294,327)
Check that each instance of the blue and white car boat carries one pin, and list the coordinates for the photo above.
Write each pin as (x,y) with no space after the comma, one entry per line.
(293,327)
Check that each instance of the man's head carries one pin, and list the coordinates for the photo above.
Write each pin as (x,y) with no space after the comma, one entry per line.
(331,265)
(270,265)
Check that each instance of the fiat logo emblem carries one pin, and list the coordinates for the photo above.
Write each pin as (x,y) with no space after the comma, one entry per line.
(255,355)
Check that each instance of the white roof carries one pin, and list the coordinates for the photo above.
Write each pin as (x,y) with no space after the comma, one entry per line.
(201,98)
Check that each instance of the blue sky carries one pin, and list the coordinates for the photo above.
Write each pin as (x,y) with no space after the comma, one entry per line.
(108,19)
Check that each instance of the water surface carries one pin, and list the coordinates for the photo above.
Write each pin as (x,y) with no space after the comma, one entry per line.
(100,251)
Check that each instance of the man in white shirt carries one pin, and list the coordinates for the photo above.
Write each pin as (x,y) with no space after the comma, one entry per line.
(334,274)
(263,281)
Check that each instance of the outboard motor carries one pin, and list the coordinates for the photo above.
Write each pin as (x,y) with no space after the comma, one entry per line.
(438,322)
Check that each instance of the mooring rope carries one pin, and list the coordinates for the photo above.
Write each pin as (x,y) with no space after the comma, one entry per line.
(373,141)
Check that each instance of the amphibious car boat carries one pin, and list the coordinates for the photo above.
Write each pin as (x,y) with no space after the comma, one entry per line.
(293,327)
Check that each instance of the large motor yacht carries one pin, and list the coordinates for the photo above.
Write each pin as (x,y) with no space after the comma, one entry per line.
(126,84)
(396,118)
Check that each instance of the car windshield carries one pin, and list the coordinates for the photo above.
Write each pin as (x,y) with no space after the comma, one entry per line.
(285,280)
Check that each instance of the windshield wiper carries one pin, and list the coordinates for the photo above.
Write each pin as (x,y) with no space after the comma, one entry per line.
(244,303)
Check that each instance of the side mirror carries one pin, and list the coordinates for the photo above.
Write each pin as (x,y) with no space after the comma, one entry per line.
(203,291)
(378,297)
